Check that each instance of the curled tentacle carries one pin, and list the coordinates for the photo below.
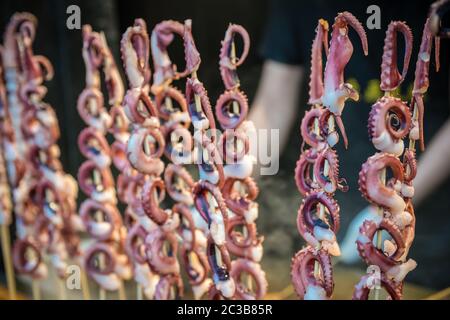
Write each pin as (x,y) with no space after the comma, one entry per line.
(196,268)
(367,282)
(389,123)
(135,49)
(41,126)
(307,127)
(140,109)
(153,193)
(409,165)
(316,76)
(165,71)
(227,64)
(94,146)
(211,163)
(374,190)
(215,217)
(119,156)
(107,227)
(247,244)
(191,53)
(329,182)
(113,80)
(304,172)
(101,190)
(228,117)
(243,266)
(302,273)
(119,124)
(91,110)
(239,195)
(92,55)
(389,264)
(21,24)
(220,264)
(390,76)
(202,118)
(169,287)
(144,150)
(162,261)
(135,243)
(316,229)
(51,201)
(179,183)
(102,273)
(27,258)
(167,110)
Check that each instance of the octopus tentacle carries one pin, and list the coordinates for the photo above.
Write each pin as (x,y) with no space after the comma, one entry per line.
(241,201)
(227,66)
(362,289)
(203,119)
(179,183)
(135,49)
(390,76)
(336,91)
(224,283)
(240,266)
(161,38)
(389,264)
(162,262)
(304,171)
(389,123)
(319,230)
(371,187)
(306,127)
(191,53)
(247,246)
(320,43)
(163,290)
(226,118)
(305,284)
(330,182)
(144,149)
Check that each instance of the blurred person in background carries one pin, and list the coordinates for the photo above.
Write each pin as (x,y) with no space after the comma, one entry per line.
(280,103)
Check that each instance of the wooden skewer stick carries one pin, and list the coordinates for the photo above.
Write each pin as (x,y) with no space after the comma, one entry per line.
(122,294)
(99,218)
(9,269)
(412,142)
(379,232)
(85,285)
(381,213)
(233,61)
(35,289)
(138,292)
(61,288)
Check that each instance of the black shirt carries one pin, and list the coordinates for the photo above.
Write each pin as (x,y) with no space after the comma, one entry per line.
(289,34)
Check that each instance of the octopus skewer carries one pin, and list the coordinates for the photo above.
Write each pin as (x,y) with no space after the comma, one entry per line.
(208,198)
(178,181)
(6,205)
(318,216)
(44,196)
(105,259)
(157,264)
(239,189)
(390,122)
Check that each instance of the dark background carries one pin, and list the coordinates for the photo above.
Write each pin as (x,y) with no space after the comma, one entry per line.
(279,199)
